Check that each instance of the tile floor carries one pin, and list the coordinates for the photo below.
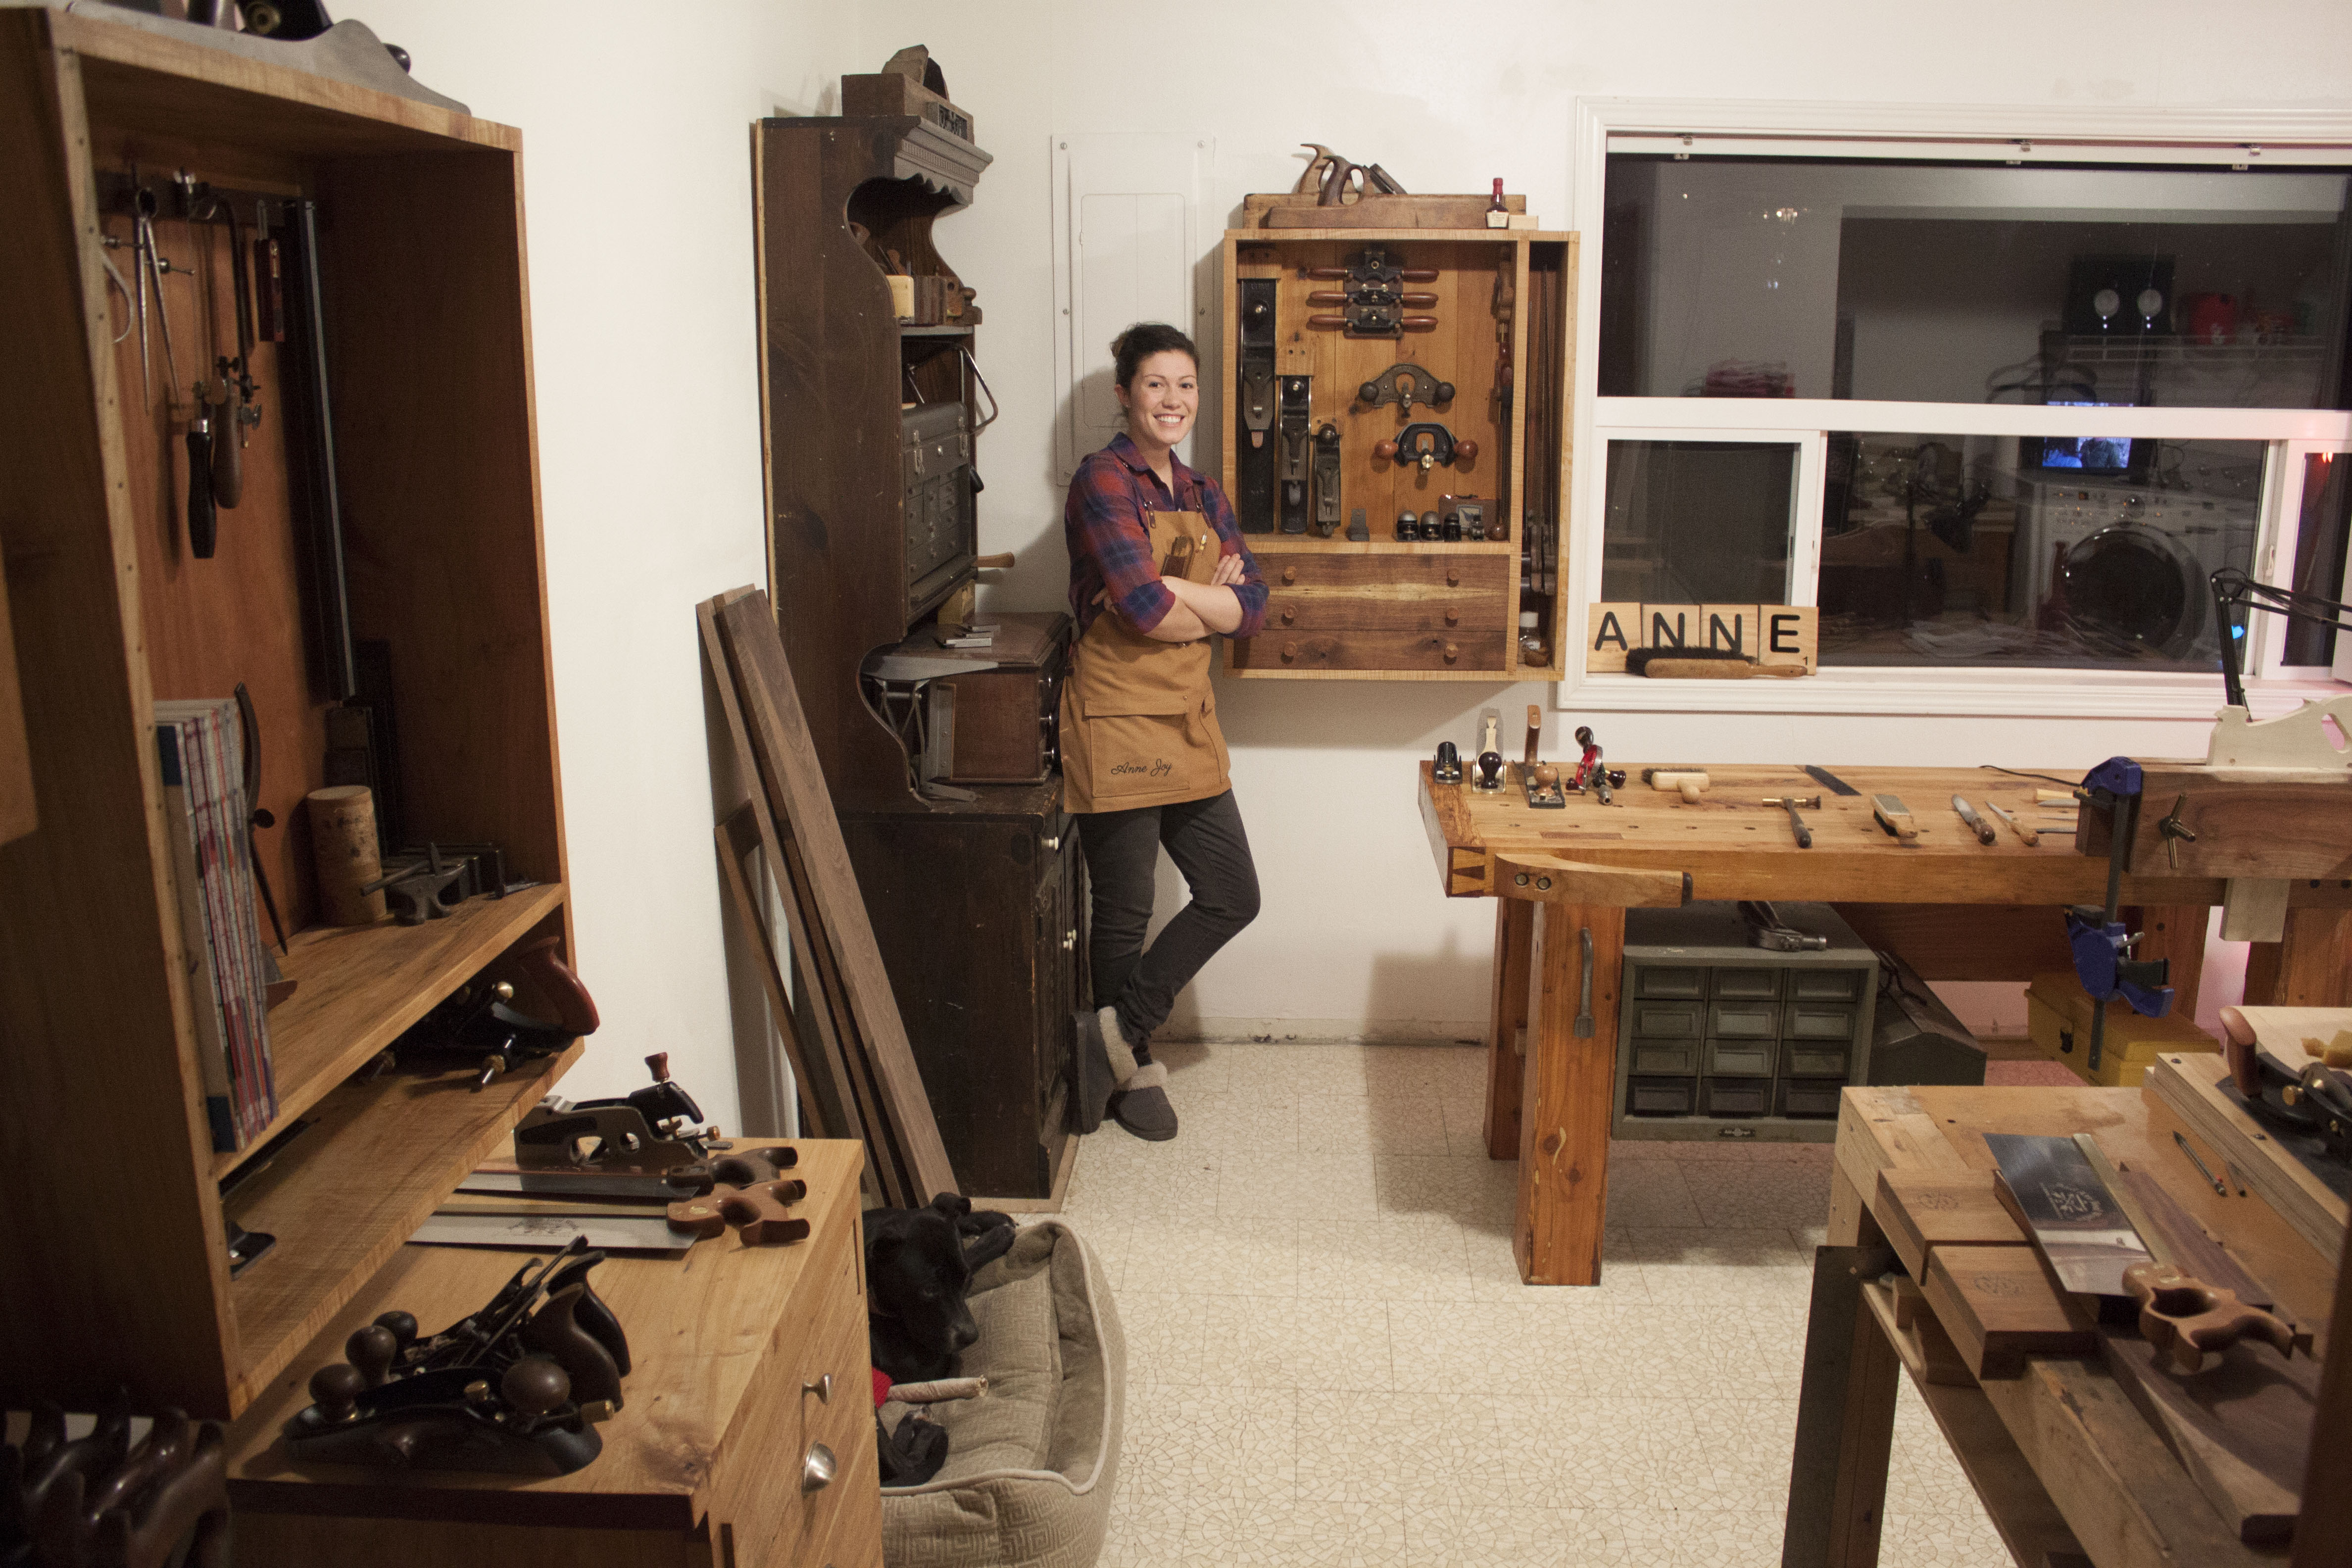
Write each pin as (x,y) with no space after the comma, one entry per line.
(1331,1358)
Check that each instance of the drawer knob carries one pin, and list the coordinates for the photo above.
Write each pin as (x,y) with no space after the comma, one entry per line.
(1288,617)
(1070,940)
(1453,577)
(816,1470)
(1453,618)
(822,1386)
(1451,652)
(1289,651)
(1053,844)
(1290,575)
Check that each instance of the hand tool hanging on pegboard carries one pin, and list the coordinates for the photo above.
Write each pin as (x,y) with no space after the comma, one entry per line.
(1327,479)
(1375,298)
(1255,461)
(1298,406)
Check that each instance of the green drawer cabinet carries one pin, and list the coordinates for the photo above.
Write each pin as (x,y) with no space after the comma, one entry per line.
(1722,1040)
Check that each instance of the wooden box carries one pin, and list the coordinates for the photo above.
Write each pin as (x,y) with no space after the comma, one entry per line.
(1376,608)
(429,372)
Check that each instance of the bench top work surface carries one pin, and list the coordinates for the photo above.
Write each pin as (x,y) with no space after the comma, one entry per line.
(1734,847)
(2109,1472)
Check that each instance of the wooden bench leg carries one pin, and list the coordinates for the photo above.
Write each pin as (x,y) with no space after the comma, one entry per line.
(1845,1418)
(2307,969)
(1507,1019)
(1564,1113)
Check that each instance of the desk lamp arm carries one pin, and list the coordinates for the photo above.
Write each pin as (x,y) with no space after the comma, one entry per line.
(2232,588)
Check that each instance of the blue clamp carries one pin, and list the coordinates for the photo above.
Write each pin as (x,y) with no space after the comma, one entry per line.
(2116,775)
(2101,963)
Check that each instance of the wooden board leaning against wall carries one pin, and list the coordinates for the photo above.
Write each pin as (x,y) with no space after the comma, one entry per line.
(1376,608)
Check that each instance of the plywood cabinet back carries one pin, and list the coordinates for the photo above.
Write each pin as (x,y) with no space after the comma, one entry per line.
(430,347)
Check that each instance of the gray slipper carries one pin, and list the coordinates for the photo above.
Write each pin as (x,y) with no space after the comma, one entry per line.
(1143,1106)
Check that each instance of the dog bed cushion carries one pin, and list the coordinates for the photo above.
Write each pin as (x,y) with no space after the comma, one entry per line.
(1032,1463)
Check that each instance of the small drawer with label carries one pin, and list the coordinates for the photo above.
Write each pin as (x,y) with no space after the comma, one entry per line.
(1735,1096)
(1665,1056)
(1741,1058)
(1747,985)
(1656,980)
(1812,1021)
(1658,1097)
(1743,1020)
(1666,1020)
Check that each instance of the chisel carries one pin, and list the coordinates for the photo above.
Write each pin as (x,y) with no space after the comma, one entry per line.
(2033,839)
(1977,824)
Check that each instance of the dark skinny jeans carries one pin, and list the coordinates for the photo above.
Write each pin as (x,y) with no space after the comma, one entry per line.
(1205,839)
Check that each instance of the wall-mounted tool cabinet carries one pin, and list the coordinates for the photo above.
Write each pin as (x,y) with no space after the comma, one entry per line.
(114,609)
(1396,441)
(1718,1040)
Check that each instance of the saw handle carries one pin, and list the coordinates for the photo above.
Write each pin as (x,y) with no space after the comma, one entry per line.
(2184,1317)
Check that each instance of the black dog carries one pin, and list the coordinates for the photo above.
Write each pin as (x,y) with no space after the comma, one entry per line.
(919,1265)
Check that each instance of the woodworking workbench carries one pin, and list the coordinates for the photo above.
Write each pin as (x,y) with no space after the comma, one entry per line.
(747,1359)
(2062,1458)
(1954,908)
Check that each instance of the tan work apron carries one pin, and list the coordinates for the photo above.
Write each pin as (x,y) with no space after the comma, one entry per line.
(1139,716)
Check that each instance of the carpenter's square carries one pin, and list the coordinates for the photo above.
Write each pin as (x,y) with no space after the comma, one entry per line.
(1829,781)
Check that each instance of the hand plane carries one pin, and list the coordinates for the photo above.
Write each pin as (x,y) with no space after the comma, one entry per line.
(648,1132)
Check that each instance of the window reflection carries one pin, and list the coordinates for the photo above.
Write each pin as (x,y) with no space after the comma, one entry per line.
(1972,283)
(2056,551)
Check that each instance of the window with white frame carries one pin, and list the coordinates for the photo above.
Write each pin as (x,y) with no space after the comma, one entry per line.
(1998,409)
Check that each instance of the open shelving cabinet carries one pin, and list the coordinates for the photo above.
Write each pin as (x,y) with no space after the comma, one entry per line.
(1380,609)
(113,1240)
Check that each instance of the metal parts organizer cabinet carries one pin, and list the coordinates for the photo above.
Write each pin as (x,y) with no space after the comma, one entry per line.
(429,364)
(1376,608)
(974,904)
(1719,1039)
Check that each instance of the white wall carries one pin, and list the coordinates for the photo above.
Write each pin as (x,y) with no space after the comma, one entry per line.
(635,123)
(1353,933)
(637,188)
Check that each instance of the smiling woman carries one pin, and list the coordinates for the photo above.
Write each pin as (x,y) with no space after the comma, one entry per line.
(1157,563)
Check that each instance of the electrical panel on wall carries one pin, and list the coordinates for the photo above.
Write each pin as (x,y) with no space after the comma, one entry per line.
(1127,245)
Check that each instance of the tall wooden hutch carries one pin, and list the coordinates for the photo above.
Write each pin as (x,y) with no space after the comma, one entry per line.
(976,902)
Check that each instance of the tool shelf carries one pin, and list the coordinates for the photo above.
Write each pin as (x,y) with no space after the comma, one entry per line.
(357,987)
(1504,338)
(379,1155)
(428,356)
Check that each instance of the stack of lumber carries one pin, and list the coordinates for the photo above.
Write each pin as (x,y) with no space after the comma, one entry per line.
(845,1041)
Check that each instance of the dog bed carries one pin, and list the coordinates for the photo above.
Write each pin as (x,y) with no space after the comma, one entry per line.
(1032,1463)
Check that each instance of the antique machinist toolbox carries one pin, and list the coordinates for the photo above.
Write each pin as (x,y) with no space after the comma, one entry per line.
(940,519)
(997,725)
(1718,1038)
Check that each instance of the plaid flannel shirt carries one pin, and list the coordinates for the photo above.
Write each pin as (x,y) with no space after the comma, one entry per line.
(1109,541)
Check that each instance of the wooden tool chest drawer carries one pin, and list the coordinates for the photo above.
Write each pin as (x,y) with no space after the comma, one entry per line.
(1391,610)
(748,1361)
